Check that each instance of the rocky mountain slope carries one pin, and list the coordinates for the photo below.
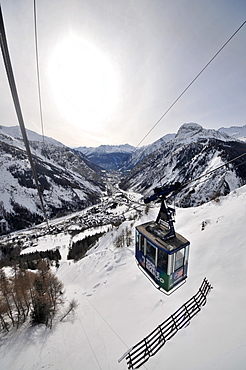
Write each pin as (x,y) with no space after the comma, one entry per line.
(68,180)
(193,152)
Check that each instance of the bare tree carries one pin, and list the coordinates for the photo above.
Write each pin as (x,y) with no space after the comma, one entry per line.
(124,238)
(71,308)
(5,288)
(47,296)
(24,292)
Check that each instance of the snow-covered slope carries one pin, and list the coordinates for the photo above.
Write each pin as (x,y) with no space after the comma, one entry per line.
(66,179)
(15,132)
(238,132)
(118,306)
(141,153)
(192,153)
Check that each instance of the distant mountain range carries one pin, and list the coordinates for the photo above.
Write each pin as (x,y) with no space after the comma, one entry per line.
(125,157)
(72,179)
(108,157)
(121,157)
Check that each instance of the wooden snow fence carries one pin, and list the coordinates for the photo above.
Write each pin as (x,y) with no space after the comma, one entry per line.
(149,346)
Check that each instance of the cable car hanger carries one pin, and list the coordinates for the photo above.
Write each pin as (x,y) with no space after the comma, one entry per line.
(161,253)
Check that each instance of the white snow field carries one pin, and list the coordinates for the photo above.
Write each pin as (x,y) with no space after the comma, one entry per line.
(118,306)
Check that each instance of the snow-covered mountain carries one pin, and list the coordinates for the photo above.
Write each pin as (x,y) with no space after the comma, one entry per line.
(122,157)
(193,152)
(139,154)
(125,157)
(192,132)
(15,132)
(238,132)
(118,306)
(68,180)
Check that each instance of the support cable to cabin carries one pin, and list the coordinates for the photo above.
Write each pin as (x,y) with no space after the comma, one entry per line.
(13,89)
(38,69)
(191,83)
(106,322)
(89,342)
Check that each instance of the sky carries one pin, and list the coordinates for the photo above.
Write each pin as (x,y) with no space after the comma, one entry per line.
(110,69)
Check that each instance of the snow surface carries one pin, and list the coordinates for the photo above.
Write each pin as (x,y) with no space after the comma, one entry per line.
(118,306)
(15,132)
(238,132)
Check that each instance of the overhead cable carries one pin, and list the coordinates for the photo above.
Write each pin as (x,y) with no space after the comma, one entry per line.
(13,89)
(191,83)
(38,69)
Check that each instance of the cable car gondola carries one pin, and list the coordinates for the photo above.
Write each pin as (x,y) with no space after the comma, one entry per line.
(160,251)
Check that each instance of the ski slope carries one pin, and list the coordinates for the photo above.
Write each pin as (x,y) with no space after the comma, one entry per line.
(118,306)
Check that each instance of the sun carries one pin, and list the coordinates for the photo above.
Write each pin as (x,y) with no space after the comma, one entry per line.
(84,82)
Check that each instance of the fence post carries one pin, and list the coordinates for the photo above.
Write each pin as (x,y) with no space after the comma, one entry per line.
(147,351)
(161,335)
(187,311)
(194,298)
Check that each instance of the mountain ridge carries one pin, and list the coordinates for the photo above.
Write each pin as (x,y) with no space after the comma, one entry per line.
(238,132)
(192,153)
(67,180)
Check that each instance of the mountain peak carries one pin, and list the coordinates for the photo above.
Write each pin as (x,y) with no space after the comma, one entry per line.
(188,129)
(190,132)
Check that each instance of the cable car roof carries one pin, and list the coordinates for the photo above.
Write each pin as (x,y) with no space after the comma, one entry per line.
(156,233)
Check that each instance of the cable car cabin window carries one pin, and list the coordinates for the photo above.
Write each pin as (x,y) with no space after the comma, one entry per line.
(179,259)
(150,252)
(162,260)
(141,243)
(137,239)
